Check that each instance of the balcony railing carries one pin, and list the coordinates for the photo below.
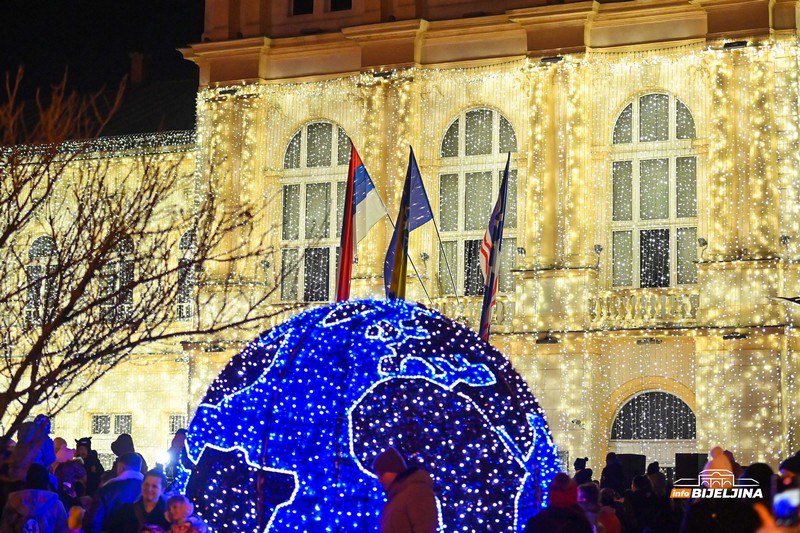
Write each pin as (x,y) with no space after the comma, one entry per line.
(636,308)
(470,311)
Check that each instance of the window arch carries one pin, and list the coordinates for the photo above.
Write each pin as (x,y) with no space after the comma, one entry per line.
(315,170)
(187,275)
(42,276)
(655,416)
(654,194)
(117,276)
(473,154)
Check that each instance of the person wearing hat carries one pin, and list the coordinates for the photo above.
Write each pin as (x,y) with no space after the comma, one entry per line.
(411,505)
(124,444)
(582,474)
(91,462)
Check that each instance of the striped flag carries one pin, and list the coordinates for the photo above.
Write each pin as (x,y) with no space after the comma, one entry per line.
(363,208)
(415,211)
(490,254)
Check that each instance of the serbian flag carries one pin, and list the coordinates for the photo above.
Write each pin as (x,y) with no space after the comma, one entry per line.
(490,255)
(415,211)
(363,208)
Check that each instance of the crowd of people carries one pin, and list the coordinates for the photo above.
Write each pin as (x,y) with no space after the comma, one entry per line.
(46,486)
(644,504)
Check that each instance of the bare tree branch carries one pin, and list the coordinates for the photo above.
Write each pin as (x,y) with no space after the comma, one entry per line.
(105,258)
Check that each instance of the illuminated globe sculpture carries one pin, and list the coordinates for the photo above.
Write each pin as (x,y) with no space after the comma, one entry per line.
(285,436)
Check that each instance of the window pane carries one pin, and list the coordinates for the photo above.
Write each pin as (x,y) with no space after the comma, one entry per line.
(623,128)
(302,7)
(687,255)
(473,278)
(508,139)
(101,424)
(445,283)
(684,123)
(292,157)
(123,424)
(291,212)
(318,201)
(654,189)
(341,5)
(653,117)
(477,200)
(686,186)
(478,132)
(43,246)
(622,172)
(450,141)
(448,202)
(622,269)
(507,256)
(340,192)
(186,280)
(343,151)
(289,275)
(511,201)
(654,258)
(320,144)
(315,275)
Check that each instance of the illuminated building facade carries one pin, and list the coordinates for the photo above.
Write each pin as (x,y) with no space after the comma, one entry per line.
(653,226)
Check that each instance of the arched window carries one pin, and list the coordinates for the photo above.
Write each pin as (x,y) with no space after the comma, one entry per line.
(654,189)
(117,276)
(315,170)
(473,155)
(42,280)
(187,274)
(655,415)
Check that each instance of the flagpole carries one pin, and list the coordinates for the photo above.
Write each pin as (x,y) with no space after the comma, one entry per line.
(412,264)
(447,264)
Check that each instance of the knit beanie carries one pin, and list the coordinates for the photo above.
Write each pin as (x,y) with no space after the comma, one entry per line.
(389,461)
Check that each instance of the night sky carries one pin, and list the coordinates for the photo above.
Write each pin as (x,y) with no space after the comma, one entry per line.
(93,39)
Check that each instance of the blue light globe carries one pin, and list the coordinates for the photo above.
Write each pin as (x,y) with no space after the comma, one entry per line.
(285,436)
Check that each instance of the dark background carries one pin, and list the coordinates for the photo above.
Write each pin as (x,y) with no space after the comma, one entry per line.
(93,39)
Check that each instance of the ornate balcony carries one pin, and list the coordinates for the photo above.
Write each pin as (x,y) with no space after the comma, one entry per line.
(645,308)
(470,312)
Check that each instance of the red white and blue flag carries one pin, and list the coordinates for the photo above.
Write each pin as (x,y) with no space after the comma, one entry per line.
(363,208)
(490,255)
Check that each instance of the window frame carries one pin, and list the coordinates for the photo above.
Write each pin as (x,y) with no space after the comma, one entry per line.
(637,152)
(304,176)
(41,276)
(463,165)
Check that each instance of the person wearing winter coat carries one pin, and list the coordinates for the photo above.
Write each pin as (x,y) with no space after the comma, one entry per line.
(562,514)
(150,509)
(582,474)
(601,517)
(613,475)
(124,444)
(36,507)
(411,505)
(125,488)
(91,462)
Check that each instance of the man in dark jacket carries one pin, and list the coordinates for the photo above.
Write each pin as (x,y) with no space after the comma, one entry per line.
(412,504)
(147,510)
(125,488)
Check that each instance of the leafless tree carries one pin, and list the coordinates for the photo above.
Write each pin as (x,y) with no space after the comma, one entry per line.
(103,258)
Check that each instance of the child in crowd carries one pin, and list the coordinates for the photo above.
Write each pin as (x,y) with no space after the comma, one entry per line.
(179,515)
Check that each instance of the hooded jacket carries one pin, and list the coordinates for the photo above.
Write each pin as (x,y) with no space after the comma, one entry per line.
(412,505)
(28,507)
